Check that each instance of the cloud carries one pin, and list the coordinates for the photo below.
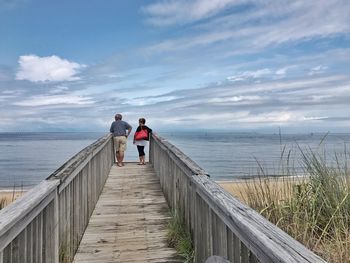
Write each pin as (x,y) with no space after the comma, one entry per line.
(165,13)
(47,69)
(250,75)
(149,100)
(263,24)
(44,100)
(58,89)
(223,100)
(317,70)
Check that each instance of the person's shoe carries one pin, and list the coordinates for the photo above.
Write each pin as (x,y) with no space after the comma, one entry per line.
(120,165)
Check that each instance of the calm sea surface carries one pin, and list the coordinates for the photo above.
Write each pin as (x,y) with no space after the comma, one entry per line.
(28,158)
(227,155)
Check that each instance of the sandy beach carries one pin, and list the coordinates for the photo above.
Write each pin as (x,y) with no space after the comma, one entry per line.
(280,186)
(9,195)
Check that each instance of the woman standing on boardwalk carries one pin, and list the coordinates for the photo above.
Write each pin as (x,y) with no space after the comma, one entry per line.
(141,137)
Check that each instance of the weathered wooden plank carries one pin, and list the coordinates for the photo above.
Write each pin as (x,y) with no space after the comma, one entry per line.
(22,253)
(129,220)
(244,254)
(29,242)
(15,250)
(216,259)
(49,236)
(236,249)
(16,211)
(219,237)
(56,228)
(253,258)
(34,240)
(15,218)
(7,254)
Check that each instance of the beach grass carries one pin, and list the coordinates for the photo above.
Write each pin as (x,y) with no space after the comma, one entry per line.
(9,196)
(314,209)
(179,238)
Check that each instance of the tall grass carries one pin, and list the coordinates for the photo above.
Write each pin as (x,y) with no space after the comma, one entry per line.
(179,238)
(4,201)
(314,209)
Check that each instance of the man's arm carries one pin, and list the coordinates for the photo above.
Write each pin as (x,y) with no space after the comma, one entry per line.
(129,131)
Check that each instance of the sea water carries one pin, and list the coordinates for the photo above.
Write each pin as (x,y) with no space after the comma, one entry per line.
(228,155)
(28,158)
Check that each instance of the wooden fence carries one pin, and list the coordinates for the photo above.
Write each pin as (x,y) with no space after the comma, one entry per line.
(219,224)
(47,223)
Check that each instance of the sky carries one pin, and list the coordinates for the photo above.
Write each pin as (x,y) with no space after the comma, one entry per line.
(240,65)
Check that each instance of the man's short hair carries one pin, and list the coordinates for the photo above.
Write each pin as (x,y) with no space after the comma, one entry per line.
(118,116)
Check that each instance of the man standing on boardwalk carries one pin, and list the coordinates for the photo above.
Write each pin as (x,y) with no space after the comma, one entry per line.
(121,130)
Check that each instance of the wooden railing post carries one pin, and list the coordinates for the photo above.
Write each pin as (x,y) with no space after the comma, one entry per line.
(56,229)
(216,259)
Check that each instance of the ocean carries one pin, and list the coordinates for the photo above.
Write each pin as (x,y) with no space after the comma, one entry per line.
(28,158)
(229,155)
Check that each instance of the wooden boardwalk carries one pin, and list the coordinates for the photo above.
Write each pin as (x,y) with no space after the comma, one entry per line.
(129,221)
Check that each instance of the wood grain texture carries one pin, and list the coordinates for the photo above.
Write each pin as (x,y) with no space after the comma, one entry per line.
(129,220)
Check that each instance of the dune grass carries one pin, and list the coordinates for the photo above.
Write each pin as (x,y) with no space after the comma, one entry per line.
(8,197)
(314,209)
(179,238)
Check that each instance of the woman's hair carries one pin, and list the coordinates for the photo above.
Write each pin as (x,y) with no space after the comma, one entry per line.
(142,120)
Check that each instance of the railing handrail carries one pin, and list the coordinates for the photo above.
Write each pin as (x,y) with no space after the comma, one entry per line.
(74,162)
(17,216)
(177,155)
(20,208)
(265,240)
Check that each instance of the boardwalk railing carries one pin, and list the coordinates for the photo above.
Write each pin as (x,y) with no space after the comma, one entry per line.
(47,223)
(220,224)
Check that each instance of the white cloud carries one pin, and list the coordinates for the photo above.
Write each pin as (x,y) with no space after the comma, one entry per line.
(266,23)
(59,89)
(234,99)
(250,75)
(164,13)
(317,70)
(282,71)
(47,69)
(149,101)
(283,117)
(55,100)
(314,118)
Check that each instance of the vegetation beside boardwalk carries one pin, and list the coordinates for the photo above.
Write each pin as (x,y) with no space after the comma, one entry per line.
(315,209)
(7,197)
(180,238)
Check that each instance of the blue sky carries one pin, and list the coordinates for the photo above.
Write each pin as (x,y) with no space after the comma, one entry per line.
(241,65)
